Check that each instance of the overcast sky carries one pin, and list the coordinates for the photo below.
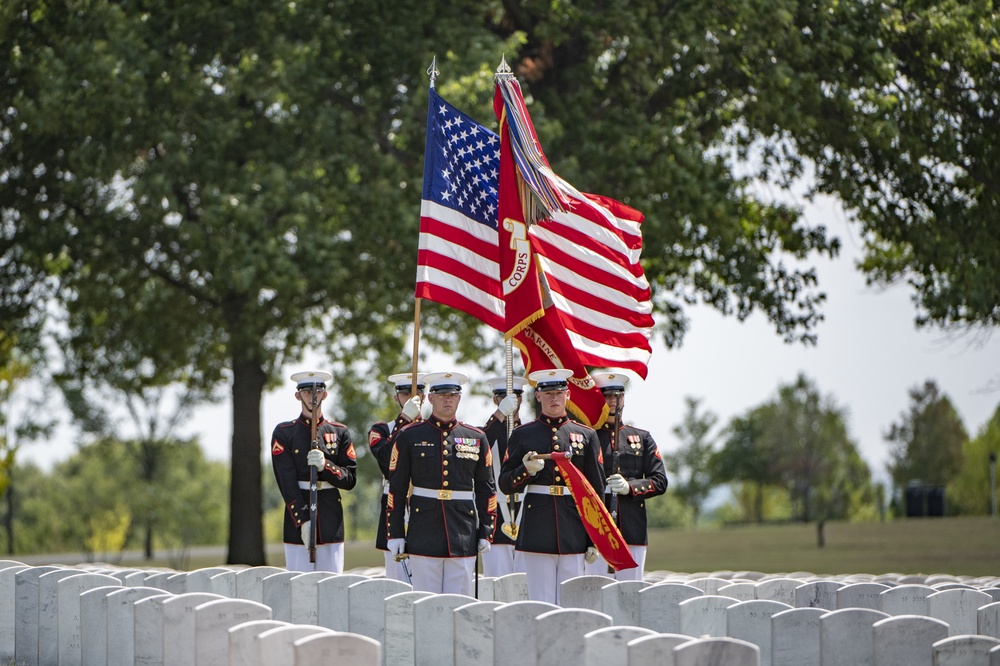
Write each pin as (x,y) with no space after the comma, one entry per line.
(868,357)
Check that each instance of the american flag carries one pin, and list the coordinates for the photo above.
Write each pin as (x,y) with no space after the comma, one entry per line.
(458,260)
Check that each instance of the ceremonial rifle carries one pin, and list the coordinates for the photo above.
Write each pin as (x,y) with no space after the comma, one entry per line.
(313,472)
(616,454)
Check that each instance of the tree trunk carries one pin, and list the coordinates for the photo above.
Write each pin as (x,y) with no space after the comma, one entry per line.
(246,497)
(820,534)
(9,518)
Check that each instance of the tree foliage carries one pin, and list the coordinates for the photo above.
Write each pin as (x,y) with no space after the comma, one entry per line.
(969,492)
(691,462)
(926,443)
(213,190)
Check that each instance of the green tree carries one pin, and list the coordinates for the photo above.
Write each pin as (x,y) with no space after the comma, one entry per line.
(926,443)
(969,490)
(693,478)
(744,458)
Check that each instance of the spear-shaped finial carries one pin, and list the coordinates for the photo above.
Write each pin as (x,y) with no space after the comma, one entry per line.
(432,71)
(503,71)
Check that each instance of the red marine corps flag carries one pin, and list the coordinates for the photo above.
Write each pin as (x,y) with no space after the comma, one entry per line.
(597,521)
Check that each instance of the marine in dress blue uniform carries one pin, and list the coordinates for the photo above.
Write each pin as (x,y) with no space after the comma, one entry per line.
(502,558)
(552,539)
(381,448)
(452,502)
(640,475)
(336,465)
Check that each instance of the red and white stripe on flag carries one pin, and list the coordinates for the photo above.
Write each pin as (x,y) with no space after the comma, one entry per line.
(590,257)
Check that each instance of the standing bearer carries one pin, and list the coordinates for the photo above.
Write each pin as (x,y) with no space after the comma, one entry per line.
(381,447)
(552,540)
(634,470)
(452,501)
(502,559)
(292,455)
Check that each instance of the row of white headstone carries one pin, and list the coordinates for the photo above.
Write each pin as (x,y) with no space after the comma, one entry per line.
(106,616)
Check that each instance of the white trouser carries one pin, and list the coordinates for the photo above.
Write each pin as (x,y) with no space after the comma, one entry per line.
(329,557)
(600,566)
(501,560)
(546,572)
(393,569)
(442,575)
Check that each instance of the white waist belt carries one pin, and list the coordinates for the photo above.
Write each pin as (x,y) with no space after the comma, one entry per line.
(320,485)
(546,490)
(444,494)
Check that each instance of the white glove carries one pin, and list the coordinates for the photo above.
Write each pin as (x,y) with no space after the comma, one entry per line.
(591,555)
(532,465)
(484,546)
(618,484)
(396,546)
(508,405)
(306,529)
(426,410)
(316,458)
(411,408)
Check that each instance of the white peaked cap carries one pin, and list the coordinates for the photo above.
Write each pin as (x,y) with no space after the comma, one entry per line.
(405,380)
(499,384)
(445,382)
(311,378)
(551,380)
(613,380)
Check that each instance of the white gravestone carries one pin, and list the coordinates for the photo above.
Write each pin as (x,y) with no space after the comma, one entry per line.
(224,584)
(958,607)
(483,588)
(148,630)
(708,584)
(963,651)
(48,614)
(725,650)
(276,592)
(249,582)
(366,605)
(905,640)
(7,611)
(705,615)
(795,637)
(242,646)
(817,594)
(517,619)
(434,627)
(399,632)
(158,579)
(777,589)
(331,597)
(179,627)
(739,591)
(136,579)
(510,588)
(563,631)
(200,580)
(988,620)
(846,637)
(609,645)
(751,621)
(582,592)
(94,625)
(70,626)
(304,596)
(620,600)
(474,633)
(120,635)
(277,646)
(995,656)
(908,599)
(861,595)
(337,650)
(177,583)
(212,621)
(659,606)
(656,649)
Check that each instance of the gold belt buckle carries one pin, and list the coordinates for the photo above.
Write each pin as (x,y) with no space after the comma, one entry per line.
(556,490)
(444,494)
